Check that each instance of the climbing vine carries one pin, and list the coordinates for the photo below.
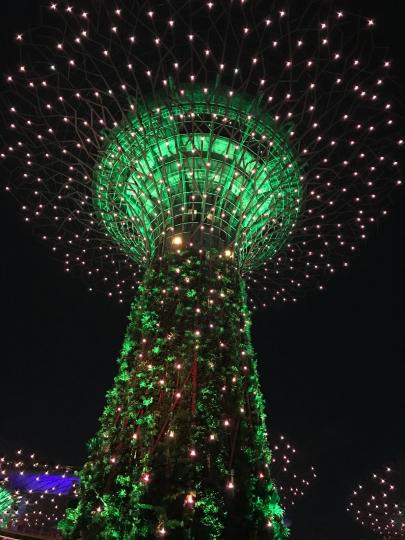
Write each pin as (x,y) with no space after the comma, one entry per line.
(182,448)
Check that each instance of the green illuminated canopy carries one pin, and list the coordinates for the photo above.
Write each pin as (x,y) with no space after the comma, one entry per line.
(202,166)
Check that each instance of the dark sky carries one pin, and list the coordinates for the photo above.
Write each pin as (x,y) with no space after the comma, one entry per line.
(332,366)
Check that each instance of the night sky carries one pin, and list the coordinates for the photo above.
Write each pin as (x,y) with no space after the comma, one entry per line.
(332,366)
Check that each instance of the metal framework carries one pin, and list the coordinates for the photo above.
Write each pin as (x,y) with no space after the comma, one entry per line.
(245,126)
(202,163)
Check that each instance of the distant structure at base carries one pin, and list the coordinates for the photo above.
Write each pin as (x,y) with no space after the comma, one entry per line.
(33,496)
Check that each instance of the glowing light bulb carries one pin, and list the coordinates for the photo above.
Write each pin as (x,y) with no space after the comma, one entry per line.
(146,478)
(190,499)
(177,241)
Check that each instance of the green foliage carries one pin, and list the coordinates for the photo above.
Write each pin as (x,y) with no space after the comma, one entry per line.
(212,509)
(148,321)
(191,293)
(173,391)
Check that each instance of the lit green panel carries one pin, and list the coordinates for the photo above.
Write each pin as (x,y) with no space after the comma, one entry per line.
(6,502)
(199,158)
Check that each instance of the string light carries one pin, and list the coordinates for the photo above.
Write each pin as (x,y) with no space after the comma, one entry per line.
(277,273)
(378,503)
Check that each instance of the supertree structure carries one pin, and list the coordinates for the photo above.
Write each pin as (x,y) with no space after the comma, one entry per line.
(196,152)
(33,495)
(378,503)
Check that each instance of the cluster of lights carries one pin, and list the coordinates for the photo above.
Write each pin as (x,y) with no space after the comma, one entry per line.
(292,202)
(293,477)
(379,503)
